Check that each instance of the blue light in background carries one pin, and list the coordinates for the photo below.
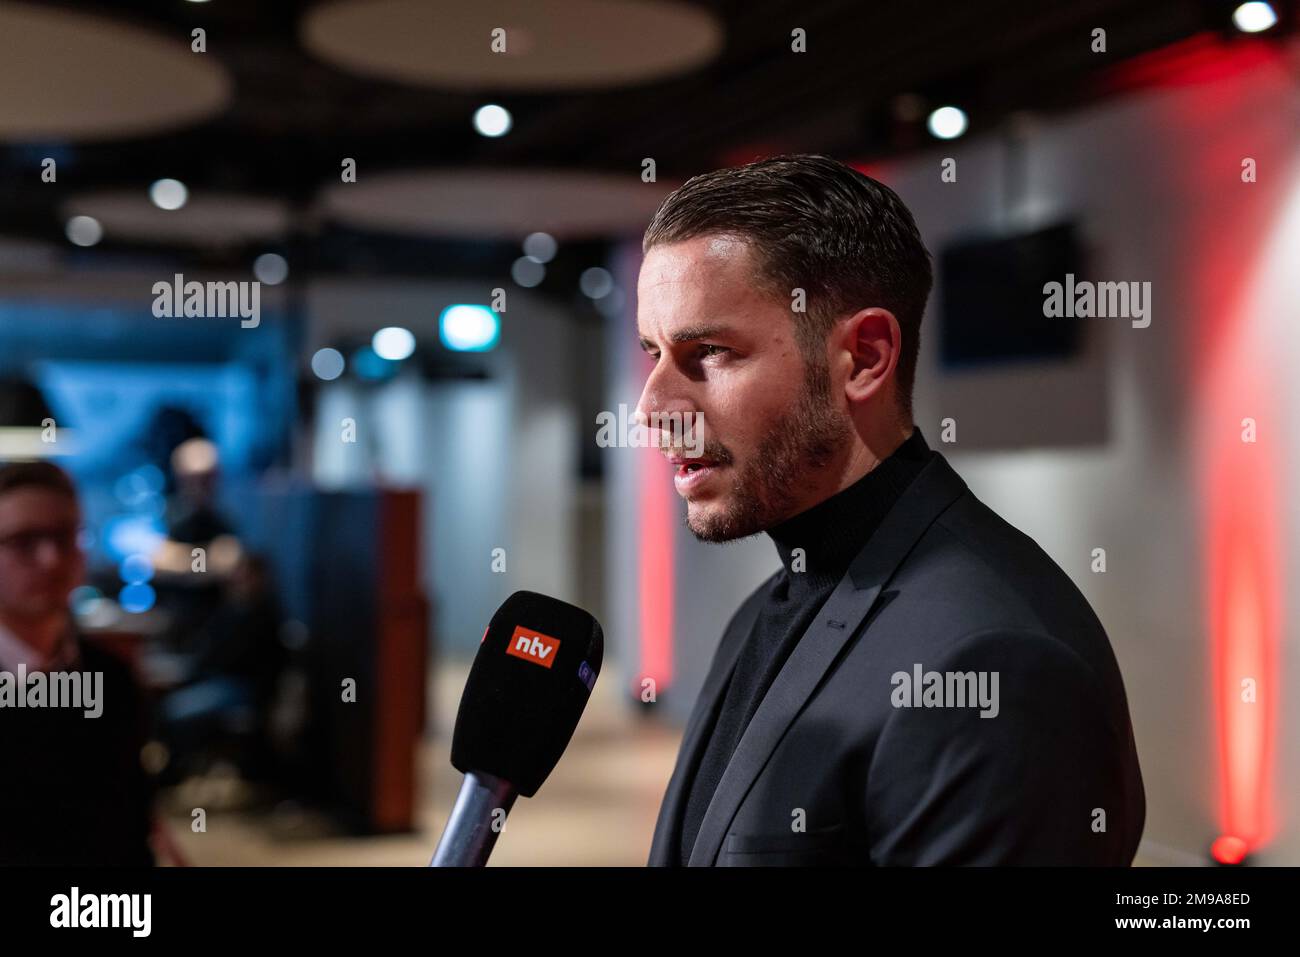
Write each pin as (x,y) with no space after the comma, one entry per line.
(132,535)
(467,328)
(369,365)
(84,598)
(136,569)
(136,598)
(327,364)
(137,487)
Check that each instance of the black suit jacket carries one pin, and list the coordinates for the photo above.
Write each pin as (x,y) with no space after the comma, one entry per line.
(831,771)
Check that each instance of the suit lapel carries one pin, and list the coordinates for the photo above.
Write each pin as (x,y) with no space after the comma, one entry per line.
(933,490)
(668,828)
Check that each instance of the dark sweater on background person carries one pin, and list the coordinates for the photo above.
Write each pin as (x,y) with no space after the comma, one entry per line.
(75,792)
(830,534)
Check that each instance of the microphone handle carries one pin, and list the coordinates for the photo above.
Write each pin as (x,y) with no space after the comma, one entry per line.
(468,838)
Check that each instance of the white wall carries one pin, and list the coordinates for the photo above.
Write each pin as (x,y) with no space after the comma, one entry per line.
(496,459)
(1156,181)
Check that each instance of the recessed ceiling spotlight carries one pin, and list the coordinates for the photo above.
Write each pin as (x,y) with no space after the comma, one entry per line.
(492,120)
(169,194)
(947,123)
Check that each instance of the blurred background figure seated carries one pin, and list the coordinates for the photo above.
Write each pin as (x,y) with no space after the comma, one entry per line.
(201,548)
(221,705)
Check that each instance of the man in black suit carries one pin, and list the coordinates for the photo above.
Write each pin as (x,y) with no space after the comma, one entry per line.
(920,683)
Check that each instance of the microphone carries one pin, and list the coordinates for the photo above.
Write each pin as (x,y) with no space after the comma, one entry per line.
(536,665)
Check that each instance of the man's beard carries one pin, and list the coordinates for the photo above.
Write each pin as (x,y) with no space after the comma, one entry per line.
(804,439)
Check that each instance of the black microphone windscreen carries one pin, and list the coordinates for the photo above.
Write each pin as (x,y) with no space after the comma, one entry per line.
(527,688)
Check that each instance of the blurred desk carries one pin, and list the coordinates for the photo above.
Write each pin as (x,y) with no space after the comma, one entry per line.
(123,635)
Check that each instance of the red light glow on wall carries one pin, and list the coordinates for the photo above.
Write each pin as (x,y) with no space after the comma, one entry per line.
(656,584)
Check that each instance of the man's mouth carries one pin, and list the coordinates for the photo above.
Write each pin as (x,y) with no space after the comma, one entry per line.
(692,472)
(687,462)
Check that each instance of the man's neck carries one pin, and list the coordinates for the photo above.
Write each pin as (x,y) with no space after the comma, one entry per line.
(873,447)
(831,532)
(42,635)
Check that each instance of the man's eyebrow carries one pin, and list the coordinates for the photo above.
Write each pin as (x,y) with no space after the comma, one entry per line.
(691,334)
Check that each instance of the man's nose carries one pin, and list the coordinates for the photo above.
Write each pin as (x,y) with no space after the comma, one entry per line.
(49,553)
(665,393)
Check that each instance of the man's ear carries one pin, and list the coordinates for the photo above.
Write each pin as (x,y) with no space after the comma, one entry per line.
(874,342)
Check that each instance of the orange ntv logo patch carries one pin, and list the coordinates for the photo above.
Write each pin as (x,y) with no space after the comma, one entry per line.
(533,646)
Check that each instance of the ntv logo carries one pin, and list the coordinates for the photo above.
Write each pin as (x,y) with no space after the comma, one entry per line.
(209,300)
(533,646)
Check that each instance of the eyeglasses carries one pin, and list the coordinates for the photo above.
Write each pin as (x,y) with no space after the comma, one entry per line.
(28,542)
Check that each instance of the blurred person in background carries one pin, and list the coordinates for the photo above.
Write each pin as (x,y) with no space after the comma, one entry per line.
(201,549)
(231,680)
(75,792)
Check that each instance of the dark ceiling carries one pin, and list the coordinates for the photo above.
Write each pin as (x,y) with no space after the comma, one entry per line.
(293,115)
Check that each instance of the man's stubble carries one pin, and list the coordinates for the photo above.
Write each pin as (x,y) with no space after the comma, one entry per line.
(805,439)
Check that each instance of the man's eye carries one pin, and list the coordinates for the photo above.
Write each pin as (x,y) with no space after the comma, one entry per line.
(711,350)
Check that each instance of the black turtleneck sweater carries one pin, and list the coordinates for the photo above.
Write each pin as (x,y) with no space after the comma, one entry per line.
(831,534)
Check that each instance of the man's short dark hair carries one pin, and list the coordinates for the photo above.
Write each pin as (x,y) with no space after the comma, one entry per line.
(818,225)
(46,475)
